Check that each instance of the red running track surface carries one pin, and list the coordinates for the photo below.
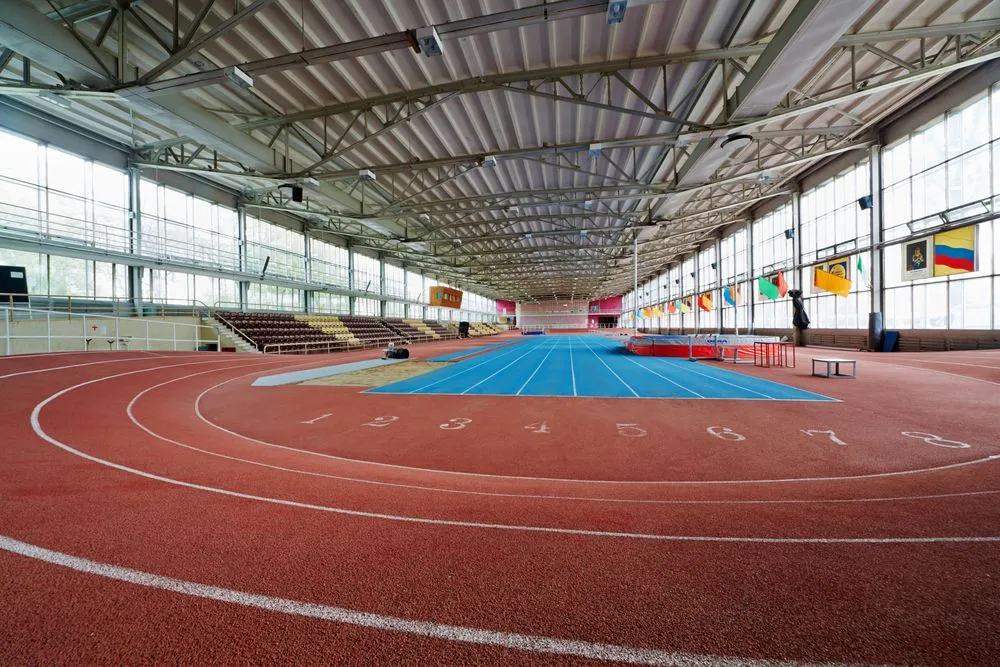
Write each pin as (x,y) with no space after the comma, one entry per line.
(160,509)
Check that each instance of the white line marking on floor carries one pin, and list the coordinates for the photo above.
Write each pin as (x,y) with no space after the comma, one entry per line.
(93,363)
(627,385)
(41,433)
(497,372)
(379,464)
(322,612)
(130,411)
(670,380)
(572,371)
(535,372)
(487,358)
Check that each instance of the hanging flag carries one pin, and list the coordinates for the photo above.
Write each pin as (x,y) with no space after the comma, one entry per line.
(767,289)
(672,307)
(861,273)
(779,282)
(705,301)
(686,305)
(955,251)
(728,296)
(829,282)
(739,295)
(658,310)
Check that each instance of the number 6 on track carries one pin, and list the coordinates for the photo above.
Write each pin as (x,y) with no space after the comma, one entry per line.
(725,433)
(455,424)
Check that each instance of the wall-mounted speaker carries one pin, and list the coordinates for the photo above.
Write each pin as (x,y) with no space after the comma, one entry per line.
(790,233)
(865,202)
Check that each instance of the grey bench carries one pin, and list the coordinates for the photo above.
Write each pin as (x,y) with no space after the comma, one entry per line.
(833,368)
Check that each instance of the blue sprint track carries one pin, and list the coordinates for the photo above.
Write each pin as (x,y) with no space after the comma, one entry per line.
(594,366)
(468,353)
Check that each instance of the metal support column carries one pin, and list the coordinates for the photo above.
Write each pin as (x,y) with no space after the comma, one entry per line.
(135,240)
(307,272)
(798,277)
(381,285)
(752,283)
(351,283)
(241,230)
(721,307)
(875,259)
(635,283)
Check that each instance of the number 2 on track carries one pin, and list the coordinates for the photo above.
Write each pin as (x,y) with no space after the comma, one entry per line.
(380,422)
(833,436)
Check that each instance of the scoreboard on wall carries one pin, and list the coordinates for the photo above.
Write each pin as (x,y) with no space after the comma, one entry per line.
(445,297)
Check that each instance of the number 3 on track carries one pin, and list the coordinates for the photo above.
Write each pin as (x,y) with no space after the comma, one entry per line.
(456,424)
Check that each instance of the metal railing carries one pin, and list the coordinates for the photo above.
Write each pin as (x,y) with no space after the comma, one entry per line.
(339,345)
(96,305)
(26,329)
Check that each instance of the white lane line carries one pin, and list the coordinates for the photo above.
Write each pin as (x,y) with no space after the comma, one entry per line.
(487,358)
(379,464)
(93,363)
(322,612)
(627,385)
(41,433)
(670,380)
(498,371)
(535,372)
(130,411)
(572,371)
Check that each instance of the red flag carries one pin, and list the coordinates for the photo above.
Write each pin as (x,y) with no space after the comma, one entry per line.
(672,308)
(780,283)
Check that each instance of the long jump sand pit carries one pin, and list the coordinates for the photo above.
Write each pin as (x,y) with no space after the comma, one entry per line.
(379,375)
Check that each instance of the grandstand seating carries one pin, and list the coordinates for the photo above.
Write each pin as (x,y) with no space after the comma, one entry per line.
(323,333)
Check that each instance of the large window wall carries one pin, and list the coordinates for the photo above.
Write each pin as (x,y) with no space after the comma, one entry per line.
(773,251)
(951,164)
(833,225)
(83,206)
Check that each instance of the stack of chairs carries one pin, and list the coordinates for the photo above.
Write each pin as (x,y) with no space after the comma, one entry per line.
(440,329)
(370,330)
(264,329)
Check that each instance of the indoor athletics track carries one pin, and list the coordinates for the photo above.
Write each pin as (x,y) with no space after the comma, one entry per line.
(160,509)
(587,365)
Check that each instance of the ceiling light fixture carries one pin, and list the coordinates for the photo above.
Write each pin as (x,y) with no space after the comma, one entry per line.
(238,78)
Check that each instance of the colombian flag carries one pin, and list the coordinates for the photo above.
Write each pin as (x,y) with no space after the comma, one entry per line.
(955,251)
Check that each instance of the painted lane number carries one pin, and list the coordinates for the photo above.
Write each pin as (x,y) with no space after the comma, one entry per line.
(456,424)
(537,427)
(631,430)
(380,422)
(725,433)
(936,440)
(833,436)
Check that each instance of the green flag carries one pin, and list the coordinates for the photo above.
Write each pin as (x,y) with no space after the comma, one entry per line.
(767,288)
(861,272)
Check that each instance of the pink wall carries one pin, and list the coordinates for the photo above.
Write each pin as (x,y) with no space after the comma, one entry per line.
(608,305)
(508,308)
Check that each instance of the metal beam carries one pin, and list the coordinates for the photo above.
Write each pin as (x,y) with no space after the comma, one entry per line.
(193,44)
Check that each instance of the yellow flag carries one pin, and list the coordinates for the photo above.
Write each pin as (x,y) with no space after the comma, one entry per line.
(829,282)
